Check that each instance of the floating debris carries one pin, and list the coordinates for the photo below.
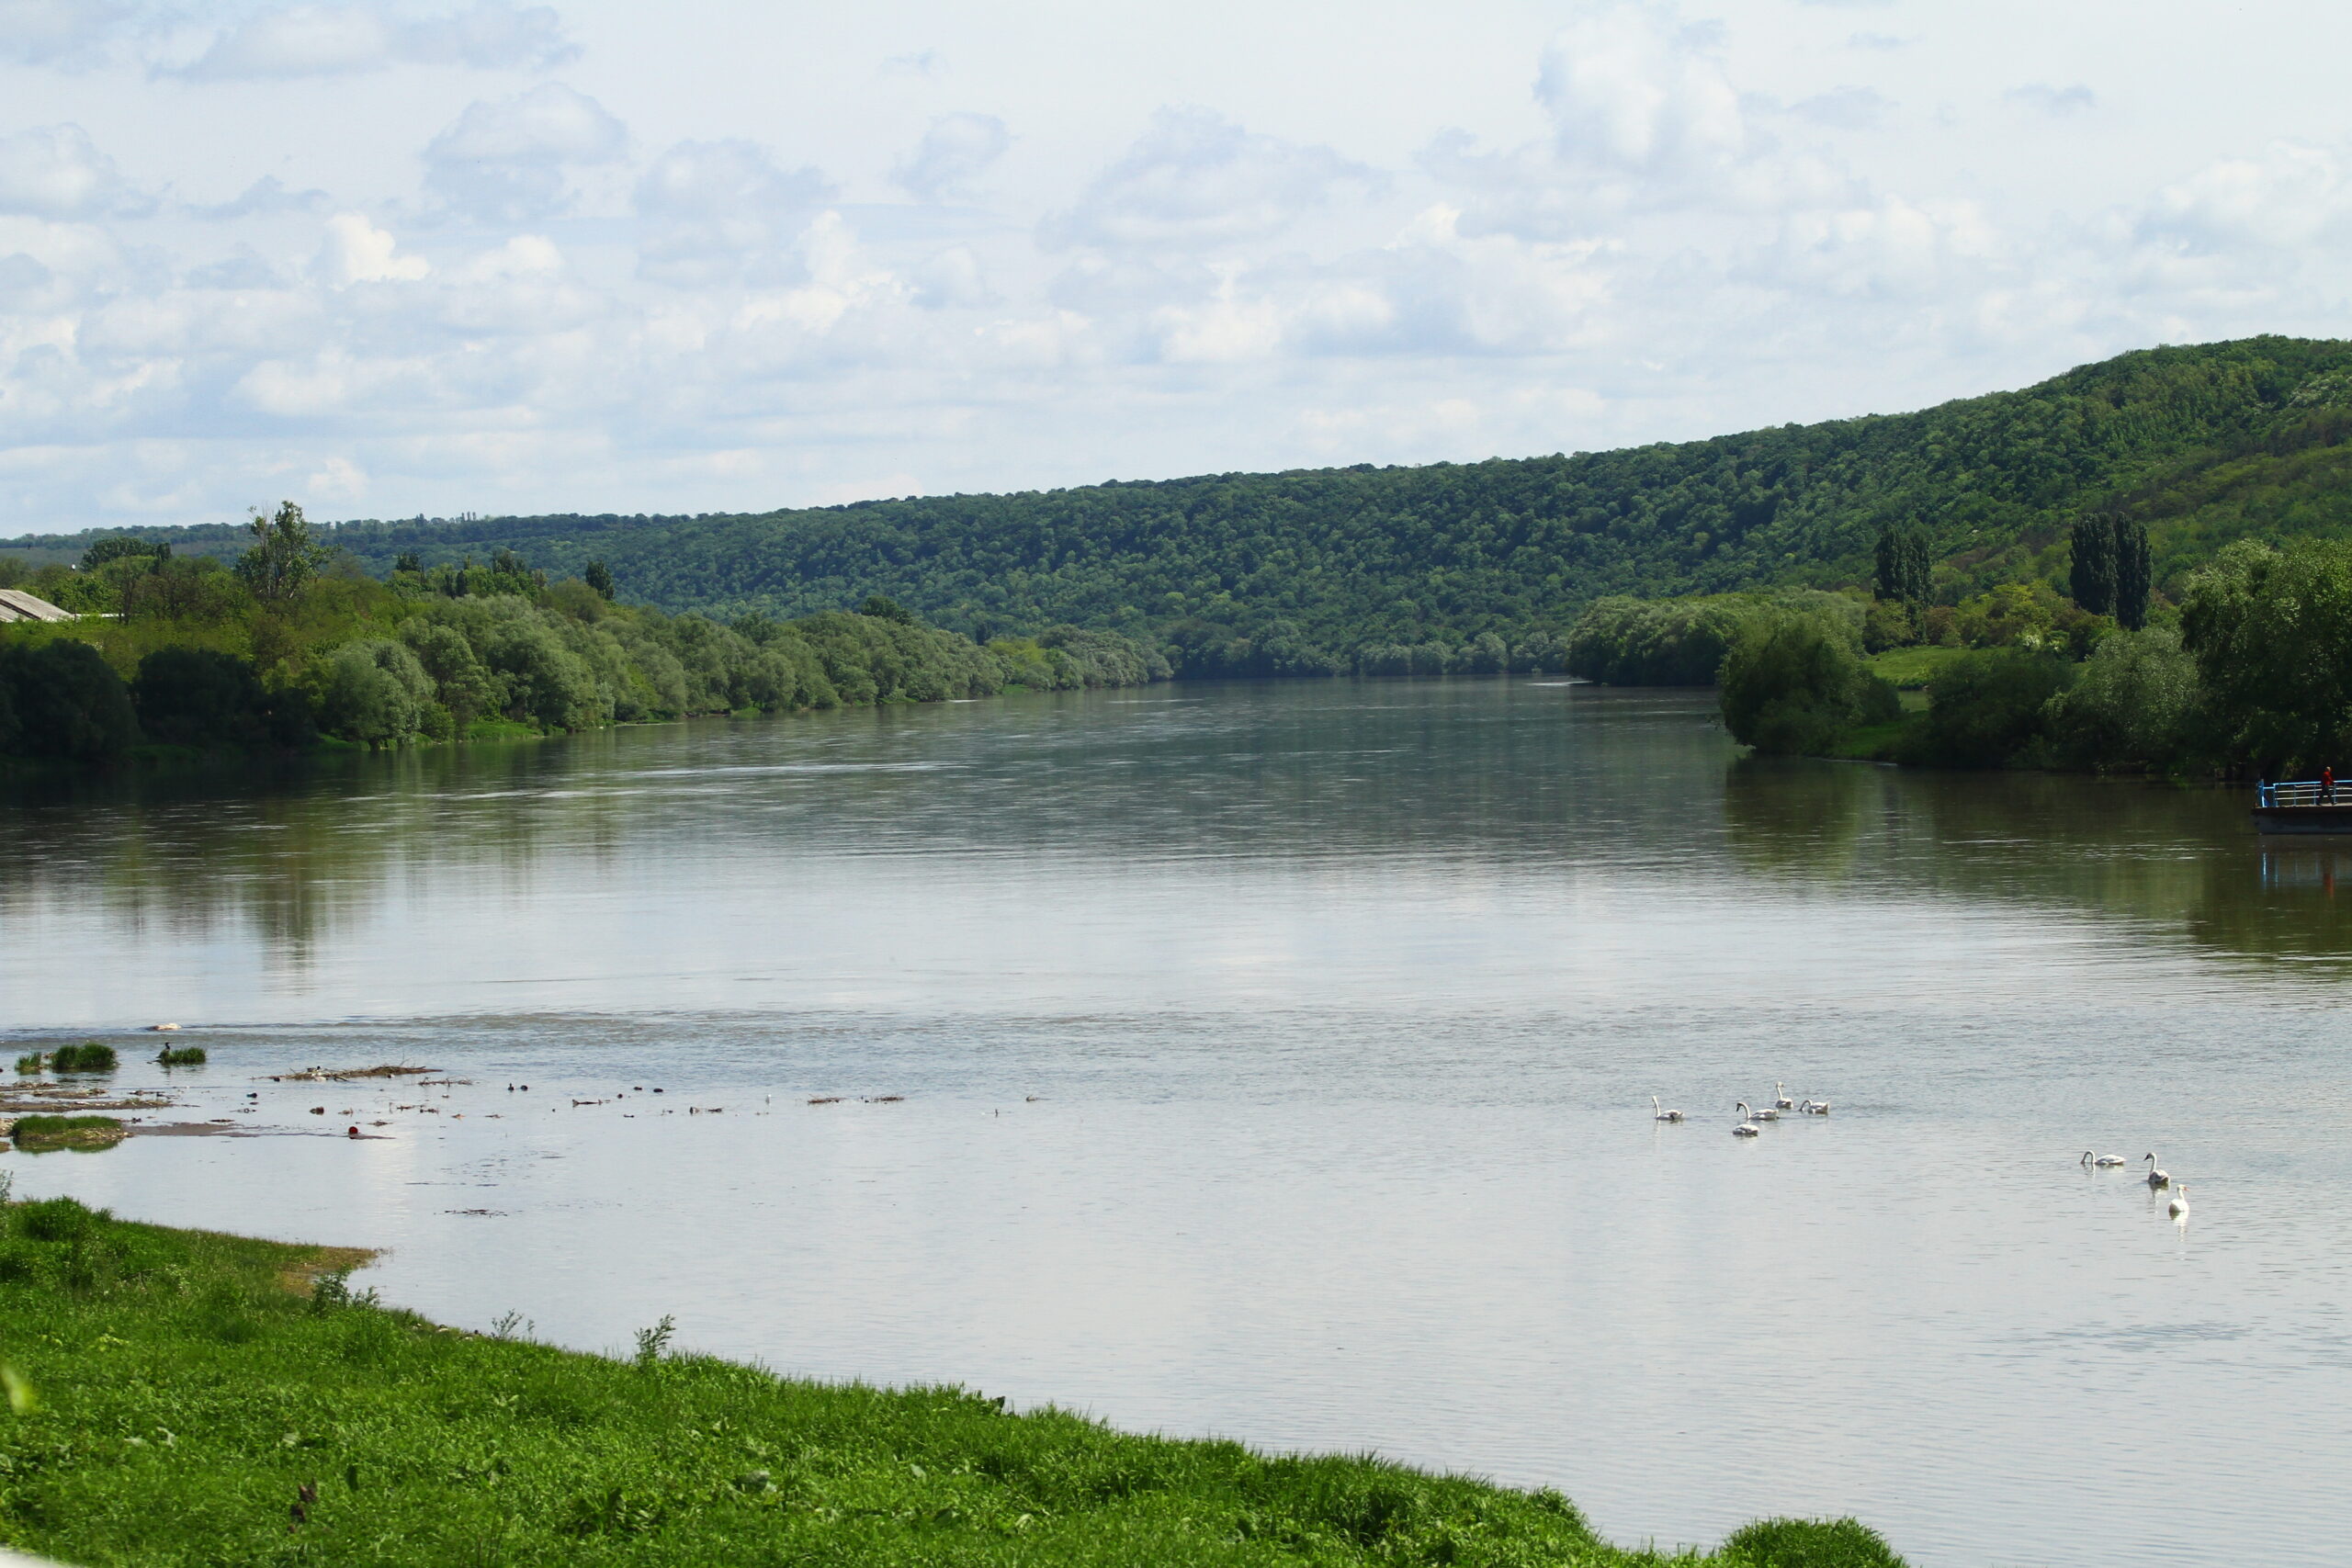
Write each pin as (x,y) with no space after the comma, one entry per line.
(344,1074)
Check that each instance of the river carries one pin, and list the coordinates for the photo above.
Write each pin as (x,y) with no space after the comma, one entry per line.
(1274,1061)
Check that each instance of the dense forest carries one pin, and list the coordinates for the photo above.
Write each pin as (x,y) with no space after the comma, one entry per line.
(292,647)
(1479,565)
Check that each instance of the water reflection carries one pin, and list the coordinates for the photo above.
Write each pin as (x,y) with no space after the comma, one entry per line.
(1521,780)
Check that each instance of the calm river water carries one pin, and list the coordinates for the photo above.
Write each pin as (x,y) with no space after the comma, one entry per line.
(1277,1062)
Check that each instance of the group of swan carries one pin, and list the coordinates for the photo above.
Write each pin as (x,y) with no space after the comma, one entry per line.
(2158,1178)
(1749,1117)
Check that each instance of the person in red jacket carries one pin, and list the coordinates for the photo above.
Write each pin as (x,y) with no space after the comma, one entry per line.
(2327,786)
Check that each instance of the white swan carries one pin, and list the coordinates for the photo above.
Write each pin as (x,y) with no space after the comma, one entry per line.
(1659,1113)
(1748,1127)
(1781,1100)
(2102,1161)
(2179,1207)
(2157,1175)
(1815,1108)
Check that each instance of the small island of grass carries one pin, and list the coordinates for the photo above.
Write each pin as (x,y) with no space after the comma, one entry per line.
(181,1396)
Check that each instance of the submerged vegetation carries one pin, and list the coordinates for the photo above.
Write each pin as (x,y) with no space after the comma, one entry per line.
(187,1396)
(287,649)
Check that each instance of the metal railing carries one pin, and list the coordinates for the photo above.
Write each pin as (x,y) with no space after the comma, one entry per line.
(2305,791)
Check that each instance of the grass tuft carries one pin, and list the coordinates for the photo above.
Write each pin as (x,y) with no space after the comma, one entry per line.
(180,1056)
(89,1057)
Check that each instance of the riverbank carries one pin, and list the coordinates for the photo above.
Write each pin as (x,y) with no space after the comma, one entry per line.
(181,1396)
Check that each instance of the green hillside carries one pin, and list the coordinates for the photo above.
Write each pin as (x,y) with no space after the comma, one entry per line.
(1316,569)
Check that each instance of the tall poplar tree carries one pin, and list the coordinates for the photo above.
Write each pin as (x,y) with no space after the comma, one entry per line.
(2092,579)
(2135,575)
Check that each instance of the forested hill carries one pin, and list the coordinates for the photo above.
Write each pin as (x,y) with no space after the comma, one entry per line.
(1279,571)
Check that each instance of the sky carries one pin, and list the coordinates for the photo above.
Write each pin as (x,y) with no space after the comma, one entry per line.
(387,260)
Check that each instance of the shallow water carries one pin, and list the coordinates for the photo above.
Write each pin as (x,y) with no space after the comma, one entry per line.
(1277,1062)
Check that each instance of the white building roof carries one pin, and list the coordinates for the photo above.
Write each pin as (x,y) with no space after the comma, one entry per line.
(16,604)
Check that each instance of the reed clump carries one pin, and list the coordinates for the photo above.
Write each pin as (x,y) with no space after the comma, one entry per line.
(30,1062)
(89,1057)
(180,1056)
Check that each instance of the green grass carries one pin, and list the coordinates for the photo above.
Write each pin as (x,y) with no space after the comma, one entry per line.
(180,1056)
(36,1133)
(1910,668)
(29,1062)
(87,1057)
(188,1398)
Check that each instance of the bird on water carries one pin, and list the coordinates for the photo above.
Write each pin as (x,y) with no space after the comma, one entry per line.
(2179,1207)
(1659,1113)
(2157,1175)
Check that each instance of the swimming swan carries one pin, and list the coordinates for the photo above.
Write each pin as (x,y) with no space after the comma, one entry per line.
(1659,1113)
(1748,1127)
(1815,1108)
(2179,1207)
(1781,1097)
(2157,1175)
(2102,1161)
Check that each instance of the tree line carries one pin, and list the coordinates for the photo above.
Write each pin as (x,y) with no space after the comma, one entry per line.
(2247,672)
(289,646)
(1462,567)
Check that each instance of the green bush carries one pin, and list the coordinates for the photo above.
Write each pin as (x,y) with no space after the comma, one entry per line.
(2137,703)
(180,1056)
(195,696)
(66,701)
(89,1057)
(1989,709)
(373,692)
(1793,684)
(29,1063)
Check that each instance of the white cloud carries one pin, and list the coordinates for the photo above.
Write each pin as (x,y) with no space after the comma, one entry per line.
(2293,193)
(358,251)
(266,197)
(39,32)
(1195,178)
(508,159)
(955,151)
(718,211)
(2056,102)
(1634,92)
(56,171)
(326,40)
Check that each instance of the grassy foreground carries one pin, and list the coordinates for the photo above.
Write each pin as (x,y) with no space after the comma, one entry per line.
(182,1397)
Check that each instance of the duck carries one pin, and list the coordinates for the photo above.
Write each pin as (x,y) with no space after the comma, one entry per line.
(1781,1100)
(2179,1207)
(2157,1175)
(1659,1113)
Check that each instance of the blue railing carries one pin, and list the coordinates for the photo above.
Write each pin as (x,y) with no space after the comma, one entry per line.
(2305,791)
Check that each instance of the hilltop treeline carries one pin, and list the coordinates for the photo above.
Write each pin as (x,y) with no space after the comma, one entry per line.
(1438,567)
(275,653)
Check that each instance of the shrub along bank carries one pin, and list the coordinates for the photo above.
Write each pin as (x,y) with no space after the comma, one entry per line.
(279,652)
(2248,672)
(183,1397)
